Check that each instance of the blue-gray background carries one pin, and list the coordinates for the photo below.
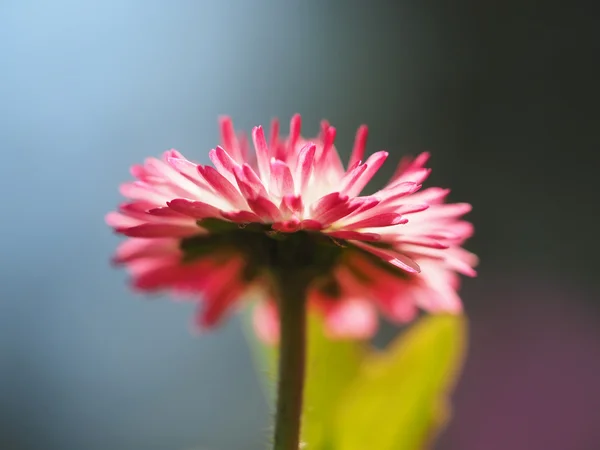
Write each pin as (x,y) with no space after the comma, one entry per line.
(504,95)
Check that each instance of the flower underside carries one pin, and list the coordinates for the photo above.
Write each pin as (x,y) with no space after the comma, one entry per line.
(292,212)
(270,254)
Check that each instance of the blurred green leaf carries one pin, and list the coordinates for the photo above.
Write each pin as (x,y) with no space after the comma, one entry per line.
(331,367)
(399,399)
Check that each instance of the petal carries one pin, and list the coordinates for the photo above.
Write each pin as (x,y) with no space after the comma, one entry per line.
(262,152)
(313,225)
(293,203)
(118,220)
(274,136)
(400,190)
(224,163)
(222,186)
(351,177)
(138,190)
(132,249)
(360,144)
(281,176)
(394,258)
(241,216)
(229,139)
(265,319)
(410,209)
(410,169)
(159,230)
(354,319)
(421,241)
(354,235)
(265,209)
(373,164)
(288,226)
(195,209)
(377,220)
(304,166)
(328,137)
(327,202)
(337,212)
(221,293)
(166,212)
(295,126)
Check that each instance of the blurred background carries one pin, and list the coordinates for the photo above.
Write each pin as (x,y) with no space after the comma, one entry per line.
(505,96)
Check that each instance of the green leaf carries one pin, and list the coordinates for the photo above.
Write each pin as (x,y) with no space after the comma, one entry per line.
(399,399)
(331,367)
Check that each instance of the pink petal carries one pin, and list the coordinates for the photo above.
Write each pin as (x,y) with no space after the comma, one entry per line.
(137,207)
(221,186)
(132,249)
(431,196)
(373,164)
(288,226)
(410,209)
(241,216)
(360,144)
(254,181)
(159,275)
(394,258)
(351,177)
(221,293)
(327,202)
(293,203)
(262,152)
(295,125)
(410,169)
(378,220)
(283,183)
(354,235)
(421,241)
(165,211)
(304,166)
(364,210)
(447,210)
(118,220)
(247,189)
(400,190)
(229,139)
(189,170)
(266,322)
(223,163)
(138,171)
(195,209)
(265,209)
(337,212)
(309,224)
(400,309)
(274,135)
(159,230)
(328,137)
(354,319)
(138,190)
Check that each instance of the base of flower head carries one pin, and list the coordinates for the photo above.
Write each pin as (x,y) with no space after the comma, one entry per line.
(310,256)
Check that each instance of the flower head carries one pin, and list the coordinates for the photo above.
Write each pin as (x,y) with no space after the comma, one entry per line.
(292,207)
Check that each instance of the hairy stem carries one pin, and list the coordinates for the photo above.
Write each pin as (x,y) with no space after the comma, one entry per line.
(292,355)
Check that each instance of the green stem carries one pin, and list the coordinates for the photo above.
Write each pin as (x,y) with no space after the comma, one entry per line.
(292,354)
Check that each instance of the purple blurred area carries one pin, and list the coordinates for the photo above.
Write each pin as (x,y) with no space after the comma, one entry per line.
(504,94)
(530,381)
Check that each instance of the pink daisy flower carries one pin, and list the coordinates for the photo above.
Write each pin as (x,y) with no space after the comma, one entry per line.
(219,231)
